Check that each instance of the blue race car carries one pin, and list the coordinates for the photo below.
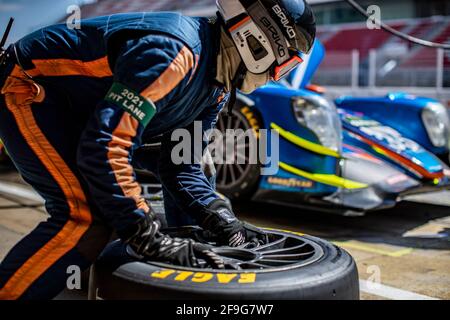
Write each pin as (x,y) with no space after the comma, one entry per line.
(420,119)
(364,155)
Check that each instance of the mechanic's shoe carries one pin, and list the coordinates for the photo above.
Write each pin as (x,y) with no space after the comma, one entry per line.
(228,230)
(150,244)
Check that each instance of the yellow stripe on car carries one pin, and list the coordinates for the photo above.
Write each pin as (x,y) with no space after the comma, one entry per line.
(329,179)
(303,143)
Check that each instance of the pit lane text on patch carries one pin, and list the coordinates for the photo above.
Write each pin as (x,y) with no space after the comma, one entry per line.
(140,108)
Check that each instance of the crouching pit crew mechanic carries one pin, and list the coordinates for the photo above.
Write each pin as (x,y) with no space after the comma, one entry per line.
(76,104)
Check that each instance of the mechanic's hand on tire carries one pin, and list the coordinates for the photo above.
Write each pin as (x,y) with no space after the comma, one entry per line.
(147,242)
(228,230)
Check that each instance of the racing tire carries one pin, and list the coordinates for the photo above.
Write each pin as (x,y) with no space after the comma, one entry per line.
(238,181)
(330,273)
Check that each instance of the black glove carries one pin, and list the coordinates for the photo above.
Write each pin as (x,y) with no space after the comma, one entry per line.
(228,230)
(147,242)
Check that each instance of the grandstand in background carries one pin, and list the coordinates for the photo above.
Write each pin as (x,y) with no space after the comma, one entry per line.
(397,62)
(357,57)
(374,61)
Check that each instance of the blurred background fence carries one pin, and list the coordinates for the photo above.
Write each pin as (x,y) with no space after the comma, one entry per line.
(357,56)
(359,60)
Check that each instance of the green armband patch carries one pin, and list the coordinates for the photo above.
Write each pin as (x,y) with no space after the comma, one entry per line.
(132,102)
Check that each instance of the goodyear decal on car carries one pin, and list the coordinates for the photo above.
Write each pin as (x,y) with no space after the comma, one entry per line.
(290,182)
(204,277)
(132,102)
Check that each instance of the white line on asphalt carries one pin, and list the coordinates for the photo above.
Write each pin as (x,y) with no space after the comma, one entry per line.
(384,291)
(19,191)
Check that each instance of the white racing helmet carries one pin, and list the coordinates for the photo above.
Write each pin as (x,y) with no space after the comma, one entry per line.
(270,35)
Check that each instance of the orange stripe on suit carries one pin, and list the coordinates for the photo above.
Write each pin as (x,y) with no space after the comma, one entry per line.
(127,128)
(118,159)
(67,67)
(19,94)
(171,77)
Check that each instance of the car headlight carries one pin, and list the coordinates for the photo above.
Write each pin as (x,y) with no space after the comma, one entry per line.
(321,117)
(436,122)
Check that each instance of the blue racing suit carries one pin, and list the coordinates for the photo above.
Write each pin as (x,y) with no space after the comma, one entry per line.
(75,106)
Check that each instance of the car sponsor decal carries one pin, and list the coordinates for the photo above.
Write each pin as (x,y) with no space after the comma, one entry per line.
(392,138)
(358,122)
(399,158)
(396,179)
(132,102)
(391,144)
(204,277)
(385,134)
(290,182)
